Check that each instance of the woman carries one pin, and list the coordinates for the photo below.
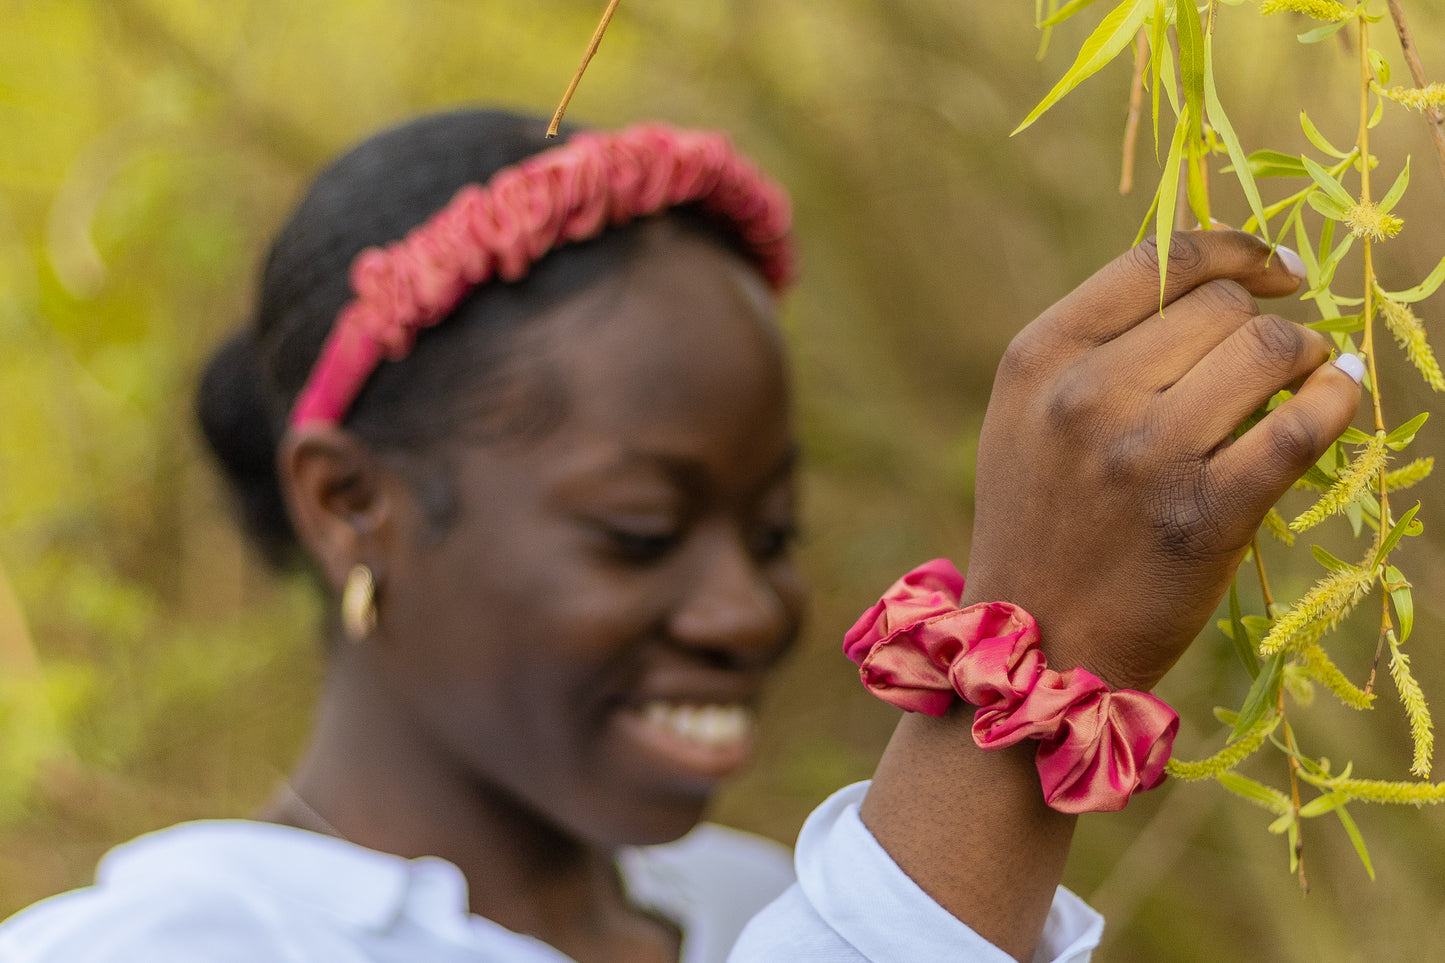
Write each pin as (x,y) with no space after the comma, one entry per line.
(534,438)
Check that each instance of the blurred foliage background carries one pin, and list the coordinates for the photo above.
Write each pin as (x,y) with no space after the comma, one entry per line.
(151,670)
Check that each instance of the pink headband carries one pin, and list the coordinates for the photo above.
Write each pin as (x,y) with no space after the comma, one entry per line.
(571,192)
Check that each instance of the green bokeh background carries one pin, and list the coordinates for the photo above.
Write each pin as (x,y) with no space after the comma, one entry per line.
(151,670)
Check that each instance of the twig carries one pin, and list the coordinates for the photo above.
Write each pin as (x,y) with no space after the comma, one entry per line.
(1136,105)
(1434,115)
(582,67)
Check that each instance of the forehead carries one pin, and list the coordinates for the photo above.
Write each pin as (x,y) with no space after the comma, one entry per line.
(678,355)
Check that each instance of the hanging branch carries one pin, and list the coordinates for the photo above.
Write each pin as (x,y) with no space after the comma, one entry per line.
(1417,72)
(582,67)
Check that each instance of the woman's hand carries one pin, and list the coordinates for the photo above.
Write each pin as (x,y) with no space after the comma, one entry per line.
(1113,502)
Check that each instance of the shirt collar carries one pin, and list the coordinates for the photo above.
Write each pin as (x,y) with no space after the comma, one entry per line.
(359,886)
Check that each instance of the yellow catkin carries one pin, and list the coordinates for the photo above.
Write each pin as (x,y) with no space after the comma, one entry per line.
(1418,98)
(1326,10)
(1383,791)
(1422,728)
(1408,475)
(1226,758)
(1328,600)
(1409,334)
(1275,524)
(1315,664)
(1367,220)
(1353,479)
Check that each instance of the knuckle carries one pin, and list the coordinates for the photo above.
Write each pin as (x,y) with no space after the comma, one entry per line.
(1295,439)
(1187,524)
(1025,359)
(1228,297)
(1071,401)
(1274,342)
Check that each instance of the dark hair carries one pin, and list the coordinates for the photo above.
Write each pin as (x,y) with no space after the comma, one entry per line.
(458,372)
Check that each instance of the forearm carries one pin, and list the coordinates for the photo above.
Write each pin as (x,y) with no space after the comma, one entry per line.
(970,827)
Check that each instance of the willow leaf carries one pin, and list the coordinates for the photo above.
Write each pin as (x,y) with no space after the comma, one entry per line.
(1396,191)
(1404,602)
(1168,194)
(1263,696)
(1065,12)
(1104,44)
(1422,290)
(1405,434)
(1356,840)
(1315,137)
(1215,112)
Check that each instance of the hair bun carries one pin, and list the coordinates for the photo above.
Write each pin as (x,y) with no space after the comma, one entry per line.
(241,432)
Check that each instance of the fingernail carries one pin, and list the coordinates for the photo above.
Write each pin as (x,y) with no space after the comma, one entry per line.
(1295,266)
(1214,225)
(1350,364)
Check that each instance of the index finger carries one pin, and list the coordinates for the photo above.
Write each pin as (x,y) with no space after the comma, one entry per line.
(1126,291)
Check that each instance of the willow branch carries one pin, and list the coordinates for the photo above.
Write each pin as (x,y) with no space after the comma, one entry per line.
(1434,115)
(1136,107)
(592,46)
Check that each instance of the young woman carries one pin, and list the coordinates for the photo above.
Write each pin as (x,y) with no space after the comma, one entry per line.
(524,409)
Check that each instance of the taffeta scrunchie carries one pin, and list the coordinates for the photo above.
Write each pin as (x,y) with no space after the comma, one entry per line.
(919,651)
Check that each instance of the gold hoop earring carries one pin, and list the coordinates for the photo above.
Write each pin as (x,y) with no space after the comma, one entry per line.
(358,603)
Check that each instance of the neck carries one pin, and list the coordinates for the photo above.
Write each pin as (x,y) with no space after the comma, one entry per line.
(367,778)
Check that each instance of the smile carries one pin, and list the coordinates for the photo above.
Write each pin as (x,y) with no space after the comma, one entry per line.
(711,726)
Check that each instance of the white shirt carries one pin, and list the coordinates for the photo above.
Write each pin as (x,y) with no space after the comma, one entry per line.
(235,891)
(852,904)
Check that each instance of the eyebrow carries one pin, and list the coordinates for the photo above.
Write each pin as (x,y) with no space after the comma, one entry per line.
(690,474)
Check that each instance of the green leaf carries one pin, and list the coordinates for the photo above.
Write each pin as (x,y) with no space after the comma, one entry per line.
(1404,602)
(1104,44)
(1159,50)
(1239,634)
(1168,192)
(1190,34)
(1358,841)
(1262,696)
(1328,206)
(1405,434)
(1345,324)
(1380,67)
(1355,436)
(1320,33)
(1401,529)
(1226,716)
(1063,13)
(1215,112)
(1315,137)
(1396,191)
(1327,183)
(1422,290)
(1329,561)
(1273,163)
(1320,805)
(1249,789)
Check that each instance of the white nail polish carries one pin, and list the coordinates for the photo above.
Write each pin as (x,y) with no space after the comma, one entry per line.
(1292,262)
(1351,365)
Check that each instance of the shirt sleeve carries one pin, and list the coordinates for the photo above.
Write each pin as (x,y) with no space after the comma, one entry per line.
(853,904)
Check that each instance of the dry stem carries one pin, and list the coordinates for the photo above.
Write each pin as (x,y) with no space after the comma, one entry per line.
(592,46)
(1434,115)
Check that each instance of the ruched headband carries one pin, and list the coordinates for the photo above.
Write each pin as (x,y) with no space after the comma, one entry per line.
(498,230)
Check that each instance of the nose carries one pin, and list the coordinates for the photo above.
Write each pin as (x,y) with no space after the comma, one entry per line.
(733,610)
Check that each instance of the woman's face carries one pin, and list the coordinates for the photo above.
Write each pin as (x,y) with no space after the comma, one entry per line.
(588,637)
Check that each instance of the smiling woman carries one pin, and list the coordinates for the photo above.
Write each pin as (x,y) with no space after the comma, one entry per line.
(524,411)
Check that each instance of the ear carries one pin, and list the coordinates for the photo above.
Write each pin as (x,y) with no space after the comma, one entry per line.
(340,498)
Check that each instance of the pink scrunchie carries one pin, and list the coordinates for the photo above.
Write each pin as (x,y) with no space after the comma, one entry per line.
(918,650)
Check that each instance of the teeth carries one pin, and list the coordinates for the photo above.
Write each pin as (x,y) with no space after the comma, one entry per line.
(713,726)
